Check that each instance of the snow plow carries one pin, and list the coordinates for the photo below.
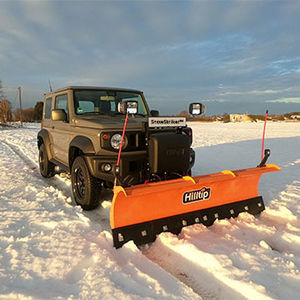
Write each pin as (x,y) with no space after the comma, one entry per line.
(141,212)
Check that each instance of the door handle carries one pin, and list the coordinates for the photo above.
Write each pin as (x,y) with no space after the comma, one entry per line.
(53,127)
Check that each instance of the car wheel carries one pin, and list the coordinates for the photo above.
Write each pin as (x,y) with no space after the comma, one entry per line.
(46,167)
(86,188)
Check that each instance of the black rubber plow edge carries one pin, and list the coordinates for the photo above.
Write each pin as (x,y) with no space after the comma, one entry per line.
(143,233)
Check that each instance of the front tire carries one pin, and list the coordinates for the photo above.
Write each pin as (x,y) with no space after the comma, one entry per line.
(86,189)
(46,167)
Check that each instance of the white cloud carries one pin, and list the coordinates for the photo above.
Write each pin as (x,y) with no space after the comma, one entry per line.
(214,100)
(285,100)
(253,92)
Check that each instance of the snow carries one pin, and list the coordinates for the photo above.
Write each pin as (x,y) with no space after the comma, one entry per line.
(50,248)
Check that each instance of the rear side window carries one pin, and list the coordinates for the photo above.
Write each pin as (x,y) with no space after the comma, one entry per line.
(61,102)
(48,108)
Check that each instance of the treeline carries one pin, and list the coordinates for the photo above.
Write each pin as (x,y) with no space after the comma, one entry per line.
(226,117)
(31,114)
(282,117)
(189,117)
(7,114)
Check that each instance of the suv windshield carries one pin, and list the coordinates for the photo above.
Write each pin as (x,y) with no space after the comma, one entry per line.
(105,101)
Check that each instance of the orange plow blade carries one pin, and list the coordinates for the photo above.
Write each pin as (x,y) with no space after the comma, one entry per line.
(141,212)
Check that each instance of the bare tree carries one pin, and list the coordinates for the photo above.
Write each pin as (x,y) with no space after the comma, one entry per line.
(38,111)
(27,114)
(5,111)
(17,114)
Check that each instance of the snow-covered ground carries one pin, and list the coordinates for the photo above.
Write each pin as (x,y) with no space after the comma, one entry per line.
(50,248)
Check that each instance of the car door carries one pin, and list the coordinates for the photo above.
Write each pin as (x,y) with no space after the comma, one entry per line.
(46,120)
(62,130)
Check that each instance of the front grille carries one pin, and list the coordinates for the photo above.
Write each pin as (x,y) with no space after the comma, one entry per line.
(136,141)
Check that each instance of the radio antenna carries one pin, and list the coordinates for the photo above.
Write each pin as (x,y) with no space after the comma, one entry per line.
(50,87)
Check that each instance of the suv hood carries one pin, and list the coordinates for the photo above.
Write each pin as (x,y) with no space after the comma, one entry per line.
(109,122)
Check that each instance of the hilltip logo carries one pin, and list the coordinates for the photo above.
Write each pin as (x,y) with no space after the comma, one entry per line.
(198,195)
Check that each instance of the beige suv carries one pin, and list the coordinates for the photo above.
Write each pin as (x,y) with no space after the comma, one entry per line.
(81,134)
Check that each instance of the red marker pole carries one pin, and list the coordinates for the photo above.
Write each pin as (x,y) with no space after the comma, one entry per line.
(121,145)
(263,139)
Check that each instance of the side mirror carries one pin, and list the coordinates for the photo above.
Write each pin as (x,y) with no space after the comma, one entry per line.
(197,109)
(154,113)
(58,115)
(130,107)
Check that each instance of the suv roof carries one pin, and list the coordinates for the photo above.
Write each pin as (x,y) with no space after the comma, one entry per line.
(74,87)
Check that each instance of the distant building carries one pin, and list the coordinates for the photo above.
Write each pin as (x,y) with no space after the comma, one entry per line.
(295,117)
(239,118)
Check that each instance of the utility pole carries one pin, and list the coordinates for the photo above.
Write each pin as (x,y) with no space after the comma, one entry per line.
(20,103)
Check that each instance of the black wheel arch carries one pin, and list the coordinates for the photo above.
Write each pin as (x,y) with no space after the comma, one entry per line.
(44,138)
(80,145)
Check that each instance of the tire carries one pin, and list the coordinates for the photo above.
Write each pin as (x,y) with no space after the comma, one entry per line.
(86,188)
(46,167)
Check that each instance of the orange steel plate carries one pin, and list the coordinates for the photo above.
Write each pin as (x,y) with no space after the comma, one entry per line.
(147,202)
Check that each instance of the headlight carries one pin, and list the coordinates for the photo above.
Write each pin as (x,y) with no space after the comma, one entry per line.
(115,141)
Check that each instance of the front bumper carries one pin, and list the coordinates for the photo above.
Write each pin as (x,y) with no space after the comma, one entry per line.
(133,166)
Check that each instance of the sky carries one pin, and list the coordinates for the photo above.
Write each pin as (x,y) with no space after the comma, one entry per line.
(233,56)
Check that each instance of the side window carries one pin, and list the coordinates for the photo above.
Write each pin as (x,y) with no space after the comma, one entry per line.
(61,102)
(48,108)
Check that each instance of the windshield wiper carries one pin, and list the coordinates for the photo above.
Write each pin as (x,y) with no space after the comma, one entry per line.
(118,113)
(140,115)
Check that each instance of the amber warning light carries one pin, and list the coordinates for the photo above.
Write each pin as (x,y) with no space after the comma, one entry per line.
(105,136)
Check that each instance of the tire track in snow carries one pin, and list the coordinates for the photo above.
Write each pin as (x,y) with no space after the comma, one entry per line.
(62,183)
(201,270)
(168,260)
(18,150)
(35,171)
(183,269)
